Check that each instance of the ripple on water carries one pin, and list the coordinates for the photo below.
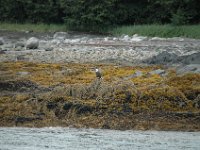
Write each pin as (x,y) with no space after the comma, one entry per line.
(70,138)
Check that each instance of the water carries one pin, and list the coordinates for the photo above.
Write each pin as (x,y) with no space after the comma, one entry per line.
(95,139)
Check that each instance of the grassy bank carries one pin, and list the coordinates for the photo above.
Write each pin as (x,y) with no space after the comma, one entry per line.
(33,27)
(189,31)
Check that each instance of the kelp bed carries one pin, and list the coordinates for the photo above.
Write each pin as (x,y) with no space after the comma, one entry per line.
(127,97)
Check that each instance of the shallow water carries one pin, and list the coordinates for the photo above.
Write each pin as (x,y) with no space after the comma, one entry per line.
(70,138)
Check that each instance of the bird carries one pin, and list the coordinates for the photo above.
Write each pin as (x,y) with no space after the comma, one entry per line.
(98,73)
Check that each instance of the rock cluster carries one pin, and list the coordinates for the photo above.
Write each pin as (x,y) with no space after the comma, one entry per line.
(83,48)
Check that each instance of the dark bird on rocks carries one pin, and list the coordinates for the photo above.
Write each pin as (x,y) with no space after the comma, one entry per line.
(98,73)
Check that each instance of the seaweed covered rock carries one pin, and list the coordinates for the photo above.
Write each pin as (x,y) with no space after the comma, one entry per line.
(17,86)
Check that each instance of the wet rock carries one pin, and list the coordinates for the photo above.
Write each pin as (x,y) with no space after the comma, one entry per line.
(25,119)
(22,119)
(67,106)
(51,105)
(190,59)
(1,41)
(2,52)
(32,43)
(82,109)
(17,86)
(192,68)
(162,58)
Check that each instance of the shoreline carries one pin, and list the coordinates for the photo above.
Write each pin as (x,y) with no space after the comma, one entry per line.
(183,125)
(165,31)
(55,84)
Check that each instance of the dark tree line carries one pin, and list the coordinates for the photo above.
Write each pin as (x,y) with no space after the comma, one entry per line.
(100,13)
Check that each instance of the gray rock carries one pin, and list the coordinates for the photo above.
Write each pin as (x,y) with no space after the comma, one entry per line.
(162,58)
(48,48)
(1,41)
(60,35)
(19,44)
(32,43)
(7,47)
(158,72)
(192,68)
(182,104)
(23,73)
(191,59)
(2,52)
(55,42)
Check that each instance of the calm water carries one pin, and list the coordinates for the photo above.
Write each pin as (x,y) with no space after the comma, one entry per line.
(94,139)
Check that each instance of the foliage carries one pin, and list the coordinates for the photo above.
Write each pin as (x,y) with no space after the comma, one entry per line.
(189,31)
(95,14)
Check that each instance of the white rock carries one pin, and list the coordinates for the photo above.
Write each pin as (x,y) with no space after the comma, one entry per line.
(1,41)
(32,43)
(55,41)
(136,39)
(75,41)
(135,35)
(114,39)
(126,38)
(157,38)
(106,39)
(60,35)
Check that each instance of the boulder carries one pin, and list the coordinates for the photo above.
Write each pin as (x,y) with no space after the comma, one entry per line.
(190,59)
(1,41)
(32,43)
(162,58)
(192,68)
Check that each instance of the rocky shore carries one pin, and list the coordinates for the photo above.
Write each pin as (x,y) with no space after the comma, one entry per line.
(48,79)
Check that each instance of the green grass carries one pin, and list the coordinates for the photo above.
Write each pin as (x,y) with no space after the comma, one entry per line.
(189,31)
(33,27)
